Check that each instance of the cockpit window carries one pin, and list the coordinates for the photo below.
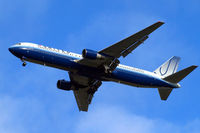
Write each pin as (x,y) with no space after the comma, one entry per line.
(19,44)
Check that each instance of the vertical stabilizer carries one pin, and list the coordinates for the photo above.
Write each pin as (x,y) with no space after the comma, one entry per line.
(169,67)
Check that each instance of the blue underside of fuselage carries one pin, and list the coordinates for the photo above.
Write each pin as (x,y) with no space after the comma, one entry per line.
(66,62)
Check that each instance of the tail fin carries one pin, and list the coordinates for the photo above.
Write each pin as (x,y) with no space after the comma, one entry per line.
(174,78)
(169,67)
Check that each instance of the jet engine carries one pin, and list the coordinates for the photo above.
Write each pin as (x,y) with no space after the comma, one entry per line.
(91,54)
(64,85)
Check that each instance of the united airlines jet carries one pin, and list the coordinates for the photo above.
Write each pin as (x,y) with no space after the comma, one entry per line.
(89,70)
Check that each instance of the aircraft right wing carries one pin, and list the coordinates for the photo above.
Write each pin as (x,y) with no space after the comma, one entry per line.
(83,98)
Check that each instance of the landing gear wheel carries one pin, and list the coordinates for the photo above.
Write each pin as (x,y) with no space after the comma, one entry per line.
(24,64)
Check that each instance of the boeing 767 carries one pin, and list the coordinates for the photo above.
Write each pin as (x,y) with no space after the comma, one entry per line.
(89,70)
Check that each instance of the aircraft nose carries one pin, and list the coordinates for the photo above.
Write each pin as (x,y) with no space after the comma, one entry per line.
(11,50)
(17,51)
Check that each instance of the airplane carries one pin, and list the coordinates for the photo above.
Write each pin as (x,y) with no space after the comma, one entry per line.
(89,70)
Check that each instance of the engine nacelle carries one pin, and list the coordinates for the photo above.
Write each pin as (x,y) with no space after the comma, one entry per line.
(64,85)
(91,54)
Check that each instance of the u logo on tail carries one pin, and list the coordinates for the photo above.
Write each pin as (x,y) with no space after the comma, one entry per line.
(169,67)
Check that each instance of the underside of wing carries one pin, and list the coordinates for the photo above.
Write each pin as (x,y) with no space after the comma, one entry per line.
(84,90)
(105,61)
(111,54)
(126,46)
(83,98)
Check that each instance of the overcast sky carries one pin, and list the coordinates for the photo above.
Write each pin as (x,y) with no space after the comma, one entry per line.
(29,99)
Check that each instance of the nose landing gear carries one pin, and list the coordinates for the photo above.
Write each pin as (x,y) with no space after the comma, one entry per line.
(24,63)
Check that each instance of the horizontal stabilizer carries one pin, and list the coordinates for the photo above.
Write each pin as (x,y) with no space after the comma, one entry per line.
(164,93)
(178,76)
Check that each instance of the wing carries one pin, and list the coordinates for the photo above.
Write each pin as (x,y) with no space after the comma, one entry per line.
(83,98)
(121,48)
(126,46)
(84,90)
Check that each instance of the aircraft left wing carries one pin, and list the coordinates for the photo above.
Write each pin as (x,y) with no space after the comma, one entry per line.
(84,90)
(121,48)
(126,46)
